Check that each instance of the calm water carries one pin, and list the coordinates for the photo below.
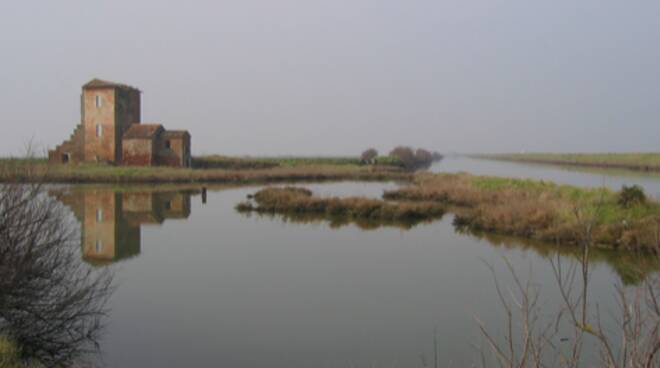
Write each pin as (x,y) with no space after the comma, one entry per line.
(201,285)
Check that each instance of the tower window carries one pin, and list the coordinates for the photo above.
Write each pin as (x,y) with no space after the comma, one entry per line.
(168,145)
(99,101)
(99,245)
(99,215)
(99,130)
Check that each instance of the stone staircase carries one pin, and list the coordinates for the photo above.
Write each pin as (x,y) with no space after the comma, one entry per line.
(72,147)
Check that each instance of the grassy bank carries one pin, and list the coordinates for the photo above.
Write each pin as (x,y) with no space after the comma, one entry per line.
(540,210)
(100,173)
(298,202)
(629,161)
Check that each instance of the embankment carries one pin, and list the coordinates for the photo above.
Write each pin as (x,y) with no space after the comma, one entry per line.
(626,161)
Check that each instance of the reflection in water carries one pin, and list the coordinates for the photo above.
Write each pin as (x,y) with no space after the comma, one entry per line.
(111,221)
(289,282)
(631,267)
(336,222)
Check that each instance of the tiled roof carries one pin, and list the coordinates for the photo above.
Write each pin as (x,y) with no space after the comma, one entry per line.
(142,131)
(175,133)
(99,83)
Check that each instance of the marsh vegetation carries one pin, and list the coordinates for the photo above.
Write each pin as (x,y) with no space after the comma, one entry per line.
(540,210)
(293,200)
(526,208)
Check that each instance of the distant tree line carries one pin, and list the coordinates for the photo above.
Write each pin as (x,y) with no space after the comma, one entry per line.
(407,157)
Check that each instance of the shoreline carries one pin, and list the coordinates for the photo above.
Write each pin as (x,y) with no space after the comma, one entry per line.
(105,174)
(522,158)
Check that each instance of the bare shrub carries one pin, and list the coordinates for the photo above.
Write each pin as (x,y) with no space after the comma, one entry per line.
(532,341)
(51,303)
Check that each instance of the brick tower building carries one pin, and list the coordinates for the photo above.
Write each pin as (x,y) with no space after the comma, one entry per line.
(110,131)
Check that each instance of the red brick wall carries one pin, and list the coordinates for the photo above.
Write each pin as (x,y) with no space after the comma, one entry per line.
(120,108)
(177,154)
(104,148)
(138,152)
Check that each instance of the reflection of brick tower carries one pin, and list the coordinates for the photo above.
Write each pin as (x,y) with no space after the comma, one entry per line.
(108,110)
(105,234)
(110,221)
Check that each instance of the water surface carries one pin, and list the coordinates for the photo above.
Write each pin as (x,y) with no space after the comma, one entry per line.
(198,284)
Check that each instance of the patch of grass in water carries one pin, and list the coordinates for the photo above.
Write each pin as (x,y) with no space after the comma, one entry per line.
(298,202)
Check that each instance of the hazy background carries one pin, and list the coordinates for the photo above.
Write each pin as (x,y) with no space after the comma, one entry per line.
(333,77)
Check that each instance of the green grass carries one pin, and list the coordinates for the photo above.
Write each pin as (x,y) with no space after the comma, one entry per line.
(539,209)
(26,170)
(601,201)
(648,161)
(209,169)
(218,161)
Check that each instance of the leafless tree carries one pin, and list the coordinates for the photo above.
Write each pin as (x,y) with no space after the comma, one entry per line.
(51,303)
(531,341)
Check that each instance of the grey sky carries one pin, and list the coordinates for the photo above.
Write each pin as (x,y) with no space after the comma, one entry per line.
(333,77)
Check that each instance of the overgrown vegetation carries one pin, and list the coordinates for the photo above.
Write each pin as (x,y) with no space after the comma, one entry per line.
(631,196)
(530,209)
(633,161)
(293,200)
(537,209)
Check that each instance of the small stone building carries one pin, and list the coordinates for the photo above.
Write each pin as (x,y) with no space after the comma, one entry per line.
(110,131)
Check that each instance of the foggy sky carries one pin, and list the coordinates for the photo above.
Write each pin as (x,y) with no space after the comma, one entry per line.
(276,77)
